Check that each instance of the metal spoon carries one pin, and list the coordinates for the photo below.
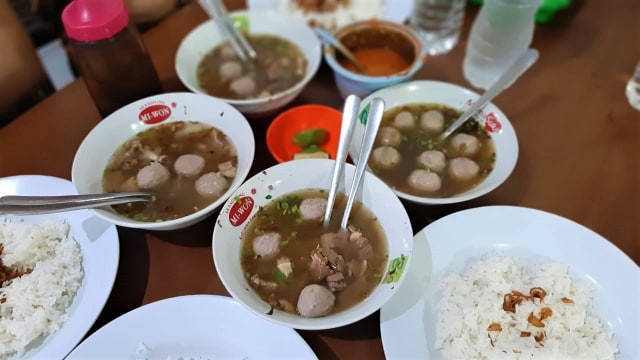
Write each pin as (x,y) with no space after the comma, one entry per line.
(349,117)
(217,11)
(329,39)
(374,119)
(513,72)
(31,205)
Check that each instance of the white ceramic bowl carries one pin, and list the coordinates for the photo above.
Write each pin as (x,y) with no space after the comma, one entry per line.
(292,176)
(496,123)
(102,141)
(206,36)
(349,82)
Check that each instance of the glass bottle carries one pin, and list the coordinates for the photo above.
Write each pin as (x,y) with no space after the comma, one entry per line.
(109,53)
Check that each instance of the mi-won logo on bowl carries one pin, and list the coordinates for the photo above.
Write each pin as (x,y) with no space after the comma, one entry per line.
(240,210)
(491,123)
(154,113)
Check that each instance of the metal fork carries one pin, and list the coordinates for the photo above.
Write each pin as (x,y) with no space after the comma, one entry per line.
(216,10)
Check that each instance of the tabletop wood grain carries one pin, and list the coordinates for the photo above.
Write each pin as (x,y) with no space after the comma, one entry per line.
(579,143)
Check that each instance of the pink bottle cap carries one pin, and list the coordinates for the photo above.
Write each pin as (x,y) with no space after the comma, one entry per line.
(93,20)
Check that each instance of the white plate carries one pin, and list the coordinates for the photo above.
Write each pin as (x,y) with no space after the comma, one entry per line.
(100,248)
(193,327)
(407,321)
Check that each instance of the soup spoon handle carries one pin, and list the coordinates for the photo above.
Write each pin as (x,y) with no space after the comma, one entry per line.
(349,116)
(31,205)
(513,72)
(328,39)
(374,119)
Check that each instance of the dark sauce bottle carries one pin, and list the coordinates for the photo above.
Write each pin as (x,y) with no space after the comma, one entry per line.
(109,53)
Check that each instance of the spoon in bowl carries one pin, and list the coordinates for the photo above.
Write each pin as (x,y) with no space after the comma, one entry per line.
(374,118)
(513,72)
(32,205)
(328,39)
(349,116)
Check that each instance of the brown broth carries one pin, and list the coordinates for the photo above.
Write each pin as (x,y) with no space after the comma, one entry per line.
(300,239)
(415,141)
(178,197)
(376,62)
(279,65)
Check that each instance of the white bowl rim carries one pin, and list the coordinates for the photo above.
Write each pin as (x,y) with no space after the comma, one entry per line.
(507,129)
(293,89)
(113,217)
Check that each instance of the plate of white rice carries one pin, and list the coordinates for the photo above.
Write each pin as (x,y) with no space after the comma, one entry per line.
(505,282)
(338,13)
(67,264)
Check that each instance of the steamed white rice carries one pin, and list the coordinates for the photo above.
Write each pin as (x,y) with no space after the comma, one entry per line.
(36,303)
(356,10)
(472,300)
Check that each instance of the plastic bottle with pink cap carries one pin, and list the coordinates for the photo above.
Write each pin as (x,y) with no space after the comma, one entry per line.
(110,54)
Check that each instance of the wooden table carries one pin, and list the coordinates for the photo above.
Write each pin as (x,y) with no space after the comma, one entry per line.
(579,146)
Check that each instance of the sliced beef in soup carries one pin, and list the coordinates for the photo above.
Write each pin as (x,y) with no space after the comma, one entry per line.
(186,165)
(297,266)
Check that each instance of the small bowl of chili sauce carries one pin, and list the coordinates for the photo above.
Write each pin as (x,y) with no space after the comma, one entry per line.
(391,53)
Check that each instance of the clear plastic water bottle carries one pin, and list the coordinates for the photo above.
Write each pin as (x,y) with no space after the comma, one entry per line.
(502,31)
(633,88)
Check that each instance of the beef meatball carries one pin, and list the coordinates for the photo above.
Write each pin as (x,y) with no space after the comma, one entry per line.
(211,184)
(227,53)
(315,300)
(313,208)
(386,157)
(424,180)
(463,169)
(404,120)
(230,70)
(464,144)
(244,86)
(389,136)
(267,245)
(189,165)
(433,160)
(432,121)
(152,176)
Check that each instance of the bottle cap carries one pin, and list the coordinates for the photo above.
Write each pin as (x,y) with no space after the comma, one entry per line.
(93,20)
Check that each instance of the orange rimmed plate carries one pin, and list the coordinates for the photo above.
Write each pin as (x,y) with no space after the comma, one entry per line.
(286,125)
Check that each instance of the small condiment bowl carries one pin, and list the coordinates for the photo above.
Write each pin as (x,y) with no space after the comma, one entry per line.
(236,214)
(104,139)
(378,34)
(494,120)
(207,36)
(289,123)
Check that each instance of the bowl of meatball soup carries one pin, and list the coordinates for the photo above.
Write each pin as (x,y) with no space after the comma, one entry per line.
(275,256)
(188,151)
(288,54)
(408,156)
